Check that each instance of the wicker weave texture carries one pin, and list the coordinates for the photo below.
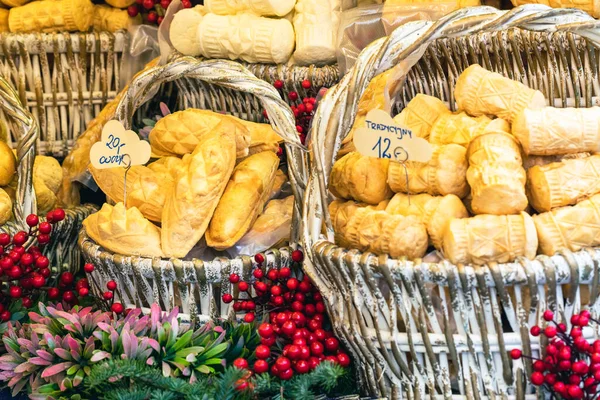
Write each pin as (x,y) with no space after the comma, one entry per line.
(422,330)
(63,79)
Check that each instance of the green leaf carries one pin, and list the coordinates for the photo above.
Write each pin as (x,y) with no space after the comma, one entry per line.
(183,341)
(190,350)
(73,370)
(203,369)
(215,350)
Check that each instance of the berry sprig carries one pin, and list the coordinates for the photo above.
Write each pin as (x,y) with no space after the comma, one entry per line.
(293,335)
(570,368)
(303,107)
(108,297)
(26,273)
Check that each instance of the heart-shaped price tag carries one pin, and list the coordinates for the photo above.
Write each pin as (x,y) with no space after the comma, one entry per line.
(383,138)
(119,148)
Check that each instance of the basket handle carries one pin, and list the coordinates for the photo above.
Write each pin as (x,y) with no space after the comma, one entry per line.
(230,75)
(337,110)
(27,134)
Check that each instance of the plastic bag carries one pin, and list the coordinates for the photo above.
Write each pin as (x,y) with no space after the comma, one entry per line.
(143,48)
(361,26)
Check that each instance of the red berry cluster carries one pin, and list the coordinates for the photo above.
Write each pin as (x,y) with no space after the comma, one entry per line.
(23,267)
(293,340)
(303,108)
(570,368)
(153,11)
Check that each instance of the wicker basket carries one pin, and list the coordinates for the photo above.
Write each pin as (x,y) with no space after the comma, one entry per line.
(62,252)
(65,79)
(195,286)
(426,330)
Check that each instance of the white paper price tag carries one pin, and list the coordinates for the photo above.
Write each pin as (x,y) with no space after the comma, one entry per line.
(119,148)
(383,138)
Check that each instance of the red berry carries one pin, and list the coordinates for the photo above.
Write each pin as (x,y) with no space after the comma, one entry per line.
(53,293)
(227,298)
(117,308)
(283,363)
(5,315)
(234,278)
(67,278)
(43,239)
(292,284)
(332,344)
(286,375)
(26,260)
(278,84)
(261,366)
(550,331)
(42,262)
(293,96)
(32,220)
(278,300)
(240,363)
(107,296)
(564,353)
(585,313)
(304,287)
(15,292)
(575,319)
(69,296)
(45,228)
(270,341)
(317,348)
(584,321)
(314,325)
(301,108)
(548,315)
(133,11)
(580,367)
(261,286)
(343,359)
(309,310)
(320,307)
(111,285)
(332,359)
(148,4)
(38,282)
(89,268)
(537,378)
(165,3)
(6,263)
(15,256)
(299,129)
(564,365)
(551,350)
(281,318)
(304,352)
(152,16)
(297,256)
(45,272)
(309,108)
(249,317)
(243,286)
(575,392)
(306,84)
(302,366)
(313,362)
(262,351)
(273,274)
(575,332)
(276,290)
(83,292)
(15,272)
(288,328)
(58,215)
(515,354)
(259,258)
(258,273)
(265,330)
(539,365)
(186,3)
(285,273)
(4,239)
(20,238)
(550,379)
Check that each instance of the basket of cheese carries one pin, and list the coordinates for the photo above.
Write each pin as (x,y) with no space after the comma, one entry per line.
(432,271)
(214,183)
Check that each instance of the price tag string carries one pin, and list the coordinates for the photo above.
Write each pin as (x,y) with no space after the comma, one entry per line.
(401,156)
(127,168)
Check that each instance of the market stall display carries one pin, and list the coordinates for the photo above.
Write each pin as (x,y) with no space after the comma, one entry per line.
(431,325)
(218,191)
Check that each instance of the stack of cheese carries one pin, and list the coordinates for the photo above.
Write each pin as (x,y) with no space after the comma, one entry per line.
(65,16)
(47,177)
(259,31)
(509,177)
(217,177)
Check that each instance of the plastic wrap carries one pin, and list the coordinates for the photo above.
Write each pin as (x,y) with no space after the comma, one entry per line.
(363,25)
(144,47)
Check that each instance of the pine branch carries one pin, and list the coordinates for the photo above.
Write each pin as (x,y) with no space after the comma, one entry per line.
(225,389)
